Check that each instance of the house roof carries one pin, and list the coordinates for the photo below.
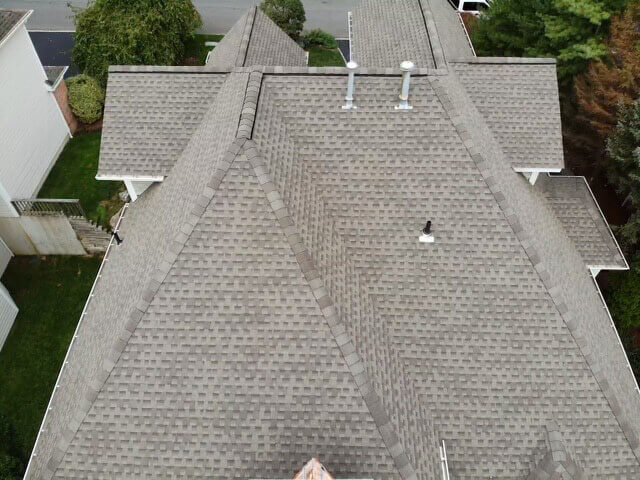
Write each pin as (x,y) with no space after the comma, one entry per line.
(271,302)
(388,32)
(150,116)
(450,29)
(519,101)
(572,201)
(9,19)
(255,40)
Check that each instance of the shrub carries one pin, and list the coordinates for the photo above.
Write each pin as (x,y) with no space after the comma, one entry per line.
(287,14)
(86,98)
(132,32)
(318,38)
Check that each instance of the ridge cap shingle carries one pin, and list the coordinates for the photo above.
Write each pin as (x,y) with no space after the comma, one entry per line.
(345,343)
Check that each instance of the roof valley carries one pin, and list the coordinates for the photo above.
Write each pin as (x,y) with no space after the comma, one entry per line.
(336,325)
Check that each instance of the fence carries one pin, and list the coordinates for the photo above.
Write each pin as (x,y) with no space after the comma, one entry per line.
(46,207)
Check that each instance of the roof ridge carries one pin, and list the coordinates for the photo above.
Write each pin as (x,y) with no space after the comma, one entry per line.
(246,37)
(156,279)
(338,330)
(432,33)
(554,291)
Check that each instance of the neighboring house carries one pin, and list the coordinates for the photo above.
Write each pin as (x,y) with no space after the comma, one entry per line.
(272,299)
(8,309)
(33,130)
(35,125)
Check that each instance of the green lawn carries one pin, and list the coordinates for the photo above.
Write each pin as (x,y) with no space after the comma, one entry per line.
(196,51)
(73,176)
(323,57)
(50,292)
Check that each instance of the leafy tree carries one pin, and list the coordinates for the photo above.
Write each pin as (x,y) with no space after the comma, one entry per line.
(570,30)
(132,32)
(623,149)
(616,80)
(287,14)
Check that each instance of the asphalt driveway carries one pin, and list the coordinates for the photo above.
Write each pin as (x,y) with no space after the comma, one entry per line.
(54,49)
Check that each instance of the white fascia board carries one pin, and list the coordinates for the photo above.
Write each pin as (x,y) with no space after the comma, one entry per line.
(55,86)
(15,28)
(130,178)
(537,170)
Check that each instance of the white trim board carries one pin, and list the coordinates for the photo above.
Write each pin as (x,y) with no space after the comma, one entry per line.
(15,28)
(131,178)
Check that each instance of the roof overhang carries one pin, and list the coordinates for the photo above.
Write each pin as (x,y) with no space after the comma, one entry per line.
(15,28)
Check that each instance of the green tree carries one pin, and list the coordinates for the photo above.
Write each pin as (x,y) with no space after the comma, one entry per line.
(132,32)
(623,152)
(287,14)
(569,30)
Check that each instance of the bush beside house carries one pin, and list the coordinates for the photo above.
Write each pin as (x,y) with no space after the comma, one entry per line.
(86,98)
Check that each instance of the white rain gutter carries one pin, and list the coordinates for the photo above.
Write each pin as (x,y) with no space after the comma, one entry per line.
(73,339)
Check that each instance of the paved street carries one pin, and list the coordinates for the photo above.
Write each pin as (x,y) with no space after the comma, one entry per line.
(218,15)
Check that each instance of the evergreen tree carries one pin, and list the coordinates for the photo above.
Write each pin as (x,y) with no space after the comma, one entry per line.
(569,30)
(623,149)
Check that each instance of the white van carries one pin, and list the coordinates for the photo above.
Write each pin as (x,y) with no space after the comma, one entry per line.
(474,7)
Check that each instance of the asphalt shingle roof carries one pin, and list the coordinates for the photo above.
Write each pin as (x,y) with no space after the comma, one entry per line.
(571,200)
(519,101)
(150,117)
(388,32)
(255,40)
(271,301)
(9,19)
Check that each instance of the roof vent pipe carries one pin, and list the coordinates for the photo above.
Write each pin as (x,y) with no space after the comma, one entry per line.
(427,234)
(351,83)
(407,67)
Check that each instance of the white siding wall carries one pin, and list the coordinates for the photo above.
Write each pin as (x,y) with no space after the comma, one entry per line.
(32,128)
(8,309)
(5,256)
(8,312)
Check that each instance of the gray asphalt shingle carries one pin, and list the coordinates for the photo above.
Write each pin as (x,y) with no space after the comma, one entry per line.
(9,19)
(520,103)
(572,201)
(388,32)
(255,40)
(271,301)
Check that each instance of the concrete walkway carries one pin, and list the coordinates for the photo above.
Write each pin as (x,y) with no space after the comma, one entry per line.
(217,15)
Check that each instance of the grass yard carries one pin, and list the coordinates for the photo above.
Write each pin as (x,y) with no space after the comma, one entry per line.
(73,176)
(50,292)
(324,57)
(196,51)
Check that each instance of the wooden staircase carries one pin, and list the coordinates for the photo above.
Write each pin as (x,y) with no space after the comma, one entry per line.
(94,238)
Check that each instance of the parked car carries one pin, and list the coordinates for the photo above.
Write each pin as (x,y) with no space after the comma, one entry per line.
(474,7)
